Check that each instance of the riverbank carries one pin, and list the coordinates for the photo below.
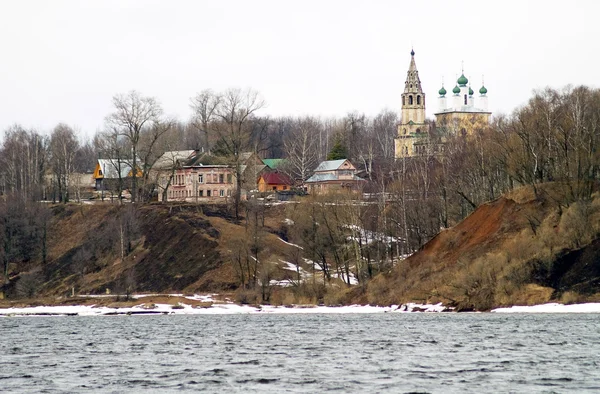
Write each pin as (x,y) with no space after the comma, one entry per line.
(210,304)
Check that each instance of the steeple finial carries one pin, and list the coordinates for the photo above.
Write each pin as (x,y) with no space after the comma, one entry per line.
(462,66)
(412,52)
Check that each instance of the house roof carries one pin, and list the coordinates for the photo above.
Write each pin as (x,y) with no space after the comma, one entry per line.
(321,178)
(109,168)
(205,159)
(331,177)
(330,165)
(171,158)
(276,178)
(256,168)
(273,163)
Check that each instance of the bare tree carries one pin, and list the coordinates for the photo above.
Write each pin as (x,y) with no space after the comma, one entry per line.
(204,105)
(115,151)
(63,148)
(23,161)
(235,111)
(133,113)
(301,148)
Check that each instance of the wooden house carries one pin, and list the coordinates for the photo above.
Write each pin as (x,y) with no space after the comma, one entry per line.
(274,181)
(334,175)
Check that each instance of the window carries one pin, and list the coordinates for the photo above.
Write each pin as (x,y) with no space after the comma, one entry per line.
(418,100)
(284,187)
(200,178)
(201,193)
(274,187)
(229,178)
(208,193)
(404,131)
(410,100)
(221,193)
(403,101)
(228,192)
(465,99)
(215,179)
(221,178)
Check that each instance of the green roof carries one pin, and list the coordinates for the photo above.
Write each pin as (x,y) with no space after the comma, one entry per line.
(442,91)
(483,90)
(456,90)
(470,92)
(273,163)
(462,80)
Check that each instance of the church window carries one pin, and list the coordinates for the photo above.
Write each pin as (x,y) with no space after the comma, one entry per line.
(410,100)
(465,99)
(403,101)
(411,85)
(418,100)
(418,131)
(404,131)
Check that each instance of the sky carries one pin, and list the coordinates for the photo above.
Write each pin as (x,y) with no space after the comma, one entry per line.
(63,61)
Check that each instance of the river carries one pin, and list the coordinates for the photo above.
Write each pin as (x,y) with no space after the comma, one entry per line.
(395,353)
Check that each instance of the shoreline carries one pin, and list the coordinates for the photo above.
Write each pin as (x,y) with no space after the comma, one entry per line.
(207,305)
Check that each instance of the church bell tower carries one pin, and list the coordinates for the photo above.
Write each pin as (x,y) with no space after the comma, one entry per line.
(412,128)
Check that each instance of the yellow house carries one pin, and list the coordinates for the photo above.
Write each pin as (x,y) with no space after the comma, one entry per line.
(274,181)
(108,170)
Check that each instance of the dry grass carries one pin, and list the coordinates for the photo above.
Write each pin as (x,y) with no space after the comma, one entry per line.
(499,255)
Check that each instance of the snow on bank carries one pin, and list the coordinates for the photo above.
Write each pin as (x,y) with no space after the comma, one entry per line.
(291,244)
(552,308)
(214,309)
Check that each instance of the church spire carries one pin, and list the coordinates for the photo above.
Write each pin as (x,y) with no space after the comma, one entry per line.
(413,83)
(413,98)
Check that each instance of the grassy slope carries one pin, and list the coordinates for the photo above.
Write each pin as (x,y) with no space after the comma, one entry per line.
(179,248)
(518,249)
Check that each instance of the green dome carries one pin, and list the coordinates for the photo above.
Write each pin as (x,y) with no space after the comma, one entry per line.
(462,81)
(470,91)
(442,91)
(456,90)
(483,90)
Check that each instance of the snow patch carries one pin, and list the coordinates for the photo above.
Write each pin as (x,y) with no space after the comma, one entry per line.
(291,244)
(368,236)
(214,309)
(552,308)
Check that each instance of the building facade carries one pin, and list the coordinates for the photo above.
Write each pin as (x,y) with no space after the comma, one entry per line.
(200,184)
(462,113)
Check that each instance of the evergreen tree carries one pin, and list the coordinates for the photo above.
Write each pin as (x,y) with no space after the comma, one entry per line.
(338,151)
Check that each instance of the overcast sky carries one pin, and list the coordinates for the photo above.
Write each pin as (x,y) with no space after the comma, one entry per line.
(62,61)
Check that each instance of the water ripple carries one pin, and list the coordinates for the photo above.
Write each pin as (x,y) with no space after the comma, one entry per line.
(449,353)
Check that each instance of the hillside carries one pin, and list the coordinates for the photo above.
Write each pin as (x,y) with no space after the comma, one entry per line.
(519,249)
(107,248)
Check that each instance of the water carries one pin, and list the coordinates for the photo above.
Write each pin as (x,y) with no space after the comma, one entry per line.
(438,353)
